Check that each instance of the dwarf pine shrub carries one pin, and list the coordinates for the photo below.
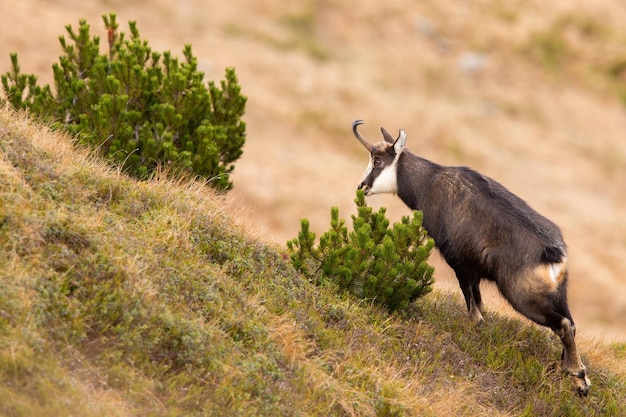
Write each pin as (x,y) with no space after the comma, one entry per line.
(374,261)
(139,108)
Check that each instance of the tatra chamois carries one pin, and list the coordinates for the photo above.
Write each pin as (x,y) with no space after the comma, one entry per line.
(485,232)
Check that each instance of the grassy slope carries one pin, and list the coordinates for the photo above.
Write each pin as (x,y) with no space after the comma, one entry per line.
(122,298)
(543,116)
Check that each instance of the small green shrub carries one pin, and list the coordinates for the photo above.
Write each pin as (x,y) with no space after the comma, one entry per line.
(372,262)
(139,108)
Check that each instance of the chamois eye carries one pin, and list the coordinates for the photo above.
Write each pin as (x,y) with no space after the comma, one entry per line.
(378,162)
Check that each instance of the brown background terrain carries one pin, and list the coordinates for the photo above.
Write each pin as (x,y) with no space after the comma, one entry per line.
(515,89)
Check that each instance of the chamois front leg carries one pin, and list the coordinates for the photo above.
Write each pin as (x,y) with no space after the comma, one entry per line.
(477,297)
(473,299)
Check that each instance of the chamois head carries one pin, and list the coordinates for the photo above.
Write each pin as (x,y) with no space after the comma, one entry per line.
(380,176)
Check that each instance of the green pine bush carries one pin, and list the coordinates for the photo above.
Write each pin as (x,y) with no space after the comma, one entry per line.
(374,261)
(139,108)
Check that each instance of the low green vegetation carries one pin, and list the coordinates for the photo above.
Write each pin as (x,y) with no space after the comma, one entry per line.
(374,262)
(127,298)
(139,108)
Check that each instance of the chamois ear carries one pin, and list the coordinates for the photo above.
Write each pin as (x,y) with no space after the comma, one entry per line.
(398,144)
(387,136)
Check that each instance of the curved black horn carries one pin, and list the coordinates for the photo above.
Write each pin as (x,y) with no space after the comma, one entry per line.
(361,139)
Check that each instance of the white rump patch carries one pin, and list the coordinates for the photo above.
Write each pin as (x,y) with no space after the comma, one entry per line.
(554,270)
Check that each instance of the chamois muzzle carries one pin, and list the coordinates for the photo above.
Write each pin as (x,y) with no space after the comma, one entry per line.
(360,138)
(364,187)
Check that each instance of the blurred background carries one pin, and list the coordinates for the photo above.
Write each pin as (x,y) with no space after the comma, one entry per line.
(530,93)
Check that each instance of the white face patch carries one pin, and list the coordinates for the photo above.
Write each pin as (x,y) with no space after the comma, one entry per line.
(386,182)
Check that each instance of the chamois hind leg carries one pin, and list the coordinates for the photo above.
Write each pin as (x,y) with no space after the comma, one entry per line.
(571,362)
(544,301)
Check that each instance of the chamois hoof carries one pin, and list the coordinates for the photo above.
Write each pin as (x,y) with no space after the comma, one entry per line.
(477,322)
(582,390)
(580,379)
(582,383)
(476,317)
